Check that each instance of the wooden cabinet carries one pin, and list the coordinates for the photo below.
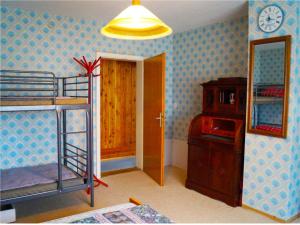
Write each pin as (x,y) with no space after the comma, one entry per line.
(216,143)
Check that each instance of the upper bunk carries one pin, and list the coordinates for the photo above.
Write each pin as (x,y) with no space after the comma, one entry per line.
(41,90)
(268,93)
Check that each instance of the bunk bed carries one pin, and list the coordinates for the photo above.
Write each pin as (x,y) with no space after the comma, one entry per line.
(73,170)
(266,94)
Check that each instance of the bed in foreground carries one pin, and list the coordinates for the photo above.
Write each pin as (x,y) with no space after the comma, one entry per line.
(131,212)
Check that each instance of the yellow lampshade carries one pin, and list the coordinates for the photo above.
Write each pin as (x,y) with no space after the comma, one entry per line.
(136,23)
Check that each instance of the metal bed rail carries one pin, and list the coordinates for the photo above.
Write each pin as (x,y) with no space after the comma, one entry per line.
(40,85)
(75,86)
(268,90)
(27,85)
(76,159)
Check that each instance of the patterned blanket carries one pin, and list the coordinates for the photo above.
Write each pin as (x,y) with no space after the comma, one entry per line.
(125,213)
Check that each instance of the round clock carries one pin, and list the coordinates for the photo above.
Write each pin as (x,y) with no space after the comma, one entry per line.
(270,18)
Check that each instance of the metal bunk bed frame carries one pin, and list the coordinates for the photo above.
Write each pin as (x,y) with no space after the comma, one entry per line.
(258,93)
(45,82)
(265,99)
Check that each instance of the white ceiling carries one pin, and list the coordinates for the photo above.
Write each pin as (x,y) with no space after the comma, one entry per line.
(181,15)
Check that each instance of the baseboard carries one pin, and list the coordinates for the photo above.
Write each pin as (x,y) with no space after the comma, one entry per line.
(275,218)
(168,152)
(108,173)
(118,164)
(293,218)
(117,158)
(179,153)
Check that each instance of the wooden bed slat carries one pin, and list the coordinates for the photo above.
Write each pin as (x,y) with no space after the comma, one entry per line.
(58,101)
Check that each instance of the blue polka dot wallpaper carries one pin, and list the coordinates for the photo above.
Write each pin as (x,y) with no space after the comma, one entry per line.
(41,41)
(24,138)
(272,165)
(203,54)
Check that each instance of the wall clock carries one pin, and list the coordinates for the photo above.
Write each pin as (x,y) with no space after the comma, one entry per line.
(270,18)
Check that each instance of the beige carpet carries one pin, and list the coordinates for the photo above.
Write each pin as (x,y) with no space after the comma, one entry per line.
(172,200)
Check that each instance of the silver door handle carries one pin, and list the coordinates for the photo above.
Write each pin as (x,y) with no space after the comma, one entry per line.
(160,119)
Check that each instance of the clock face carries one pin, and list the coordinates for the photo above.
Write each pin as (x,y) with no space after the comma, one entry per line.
(270,18)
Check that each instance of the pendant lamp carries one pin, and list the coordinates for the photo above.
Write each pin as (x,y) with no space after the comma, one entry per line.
(136,23)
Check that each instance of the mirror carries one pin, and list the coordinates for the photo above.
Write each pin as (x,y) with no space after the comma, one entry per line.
(269,86)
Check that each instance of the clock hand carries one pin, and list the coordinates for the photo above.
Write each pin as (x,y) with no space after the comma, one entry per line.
(271,18)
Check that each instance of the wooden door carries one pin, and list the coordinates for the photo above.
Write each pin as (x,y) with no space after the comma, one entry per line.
(154,108)
(118,108)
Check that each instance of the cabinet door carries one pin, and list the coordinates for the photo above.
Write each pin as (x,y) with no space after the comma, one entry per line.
(241,101)
(209,94)
(198,163)
(227,99)
(222,168)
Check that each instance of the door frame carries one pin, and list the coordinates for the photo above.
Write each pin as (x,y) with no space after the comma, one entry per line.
(139,107)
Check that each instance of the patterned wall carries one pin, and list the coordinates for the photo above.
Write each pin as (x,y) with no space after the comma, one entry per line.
(272,165)
(23,143)
(41,41)
(296,146)
(200,55)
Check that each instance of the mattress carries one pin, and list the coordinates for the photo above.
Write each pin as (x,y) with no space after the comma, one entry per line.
(58,101)
(263,99)
(34,179)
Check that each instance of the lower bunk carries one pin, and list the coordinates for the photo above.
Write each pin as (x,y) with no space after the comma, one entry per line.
(33,181)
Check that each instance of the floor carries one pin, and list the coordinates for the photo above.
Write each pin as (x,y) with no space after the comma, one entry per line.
(173,200)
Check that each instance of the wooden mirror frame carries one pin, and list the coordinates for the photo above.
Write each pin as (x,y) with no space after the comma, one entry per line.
(287,63)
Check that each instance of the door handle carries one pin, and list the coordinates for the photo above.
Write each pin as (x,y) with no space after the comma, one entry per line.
(160,119)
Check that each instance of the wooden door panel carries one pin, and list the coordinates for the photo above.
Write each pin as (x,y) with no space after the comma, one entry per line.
(154,104)
(118,111)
